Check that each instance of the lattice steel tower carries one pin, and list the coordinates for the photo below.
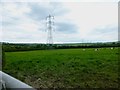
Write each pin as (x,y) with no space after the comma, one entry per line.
(49,25)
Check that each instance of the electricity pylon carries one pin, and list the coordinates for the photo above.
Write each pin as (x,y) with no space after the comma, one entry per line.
(49,25)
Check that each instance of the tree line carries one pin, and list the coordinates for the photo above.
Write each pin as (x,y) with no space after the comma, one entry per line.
(10,47)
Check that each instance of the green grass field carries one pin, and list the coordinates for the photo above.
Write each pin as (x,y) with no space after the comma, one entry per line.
(70,68)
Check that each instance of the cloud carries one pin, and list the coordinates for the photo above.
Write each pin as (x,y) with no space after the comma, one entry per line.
(66,27)
(60,0)
(41,10)
(106,30)
(38,12)
(17,26)
(15,10)
(74,21)
(107,33)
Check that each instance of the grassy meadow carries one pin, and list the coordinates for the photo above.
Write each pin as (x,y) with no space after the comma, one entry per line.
(65,68)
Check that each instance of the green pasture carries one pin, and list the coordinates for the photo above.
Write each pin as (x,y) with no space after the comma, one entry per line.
(65,68)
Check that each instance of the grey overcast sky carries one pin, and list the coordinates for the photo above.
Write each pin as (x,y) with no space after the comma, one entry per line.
(75,21)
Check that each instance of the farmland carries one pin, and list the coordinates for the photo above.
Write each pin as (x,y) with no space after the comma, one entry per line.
(65,68)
